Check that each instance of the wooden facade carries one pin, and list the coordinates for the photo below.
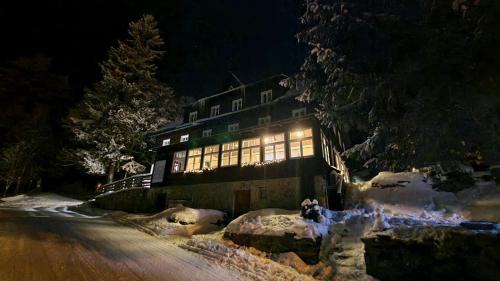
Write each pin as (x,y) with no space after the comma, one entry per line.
(248,141)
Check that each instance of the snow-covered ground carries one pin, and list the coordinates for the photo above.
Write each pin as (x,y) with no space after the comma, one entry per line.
(42,200)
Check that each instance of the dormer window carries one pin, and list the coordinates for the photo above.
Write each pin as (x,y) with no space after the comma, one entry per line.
(233,127)
(264,120)
(266,96)
(193,116)
(214,110)
(185,138)
(237,104)
(165,142)
(299,112)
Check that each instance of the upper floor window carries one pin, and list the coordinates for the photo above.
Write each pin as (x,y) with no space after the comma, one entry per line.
(206,133)
(179,161)
(194,159)
(211,157)
(274,147)
(233,127)
(165,142)
(229,154)
(299,112)
(214,110)
(264,120)
(184,138)
(266,96)
(193,116)
(301,143)
(250,151)
(237,104)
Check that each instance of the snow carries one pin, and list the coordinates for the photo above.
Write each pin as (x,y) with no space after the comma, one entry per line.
(278,222)
(181,220)
(42,200)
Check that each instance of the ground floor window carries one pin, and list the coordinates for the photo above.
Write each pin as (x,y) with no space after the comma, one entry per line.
(301,143)
(250,151)
(211,157)
(274,148)
(194,159)
(179,161)
(229,154)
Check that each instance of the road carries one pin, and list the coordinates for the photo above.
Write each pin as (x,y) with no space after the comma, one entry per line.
(51,245)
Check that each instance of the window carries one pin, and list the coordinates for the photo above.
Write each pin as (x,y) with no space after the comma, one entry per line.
(233,127)
(299,112)
(206,133)
(266,96)
(193,116)
(274,148)
(211,157)
(158,171)
(250,151)
(264,120)
(214,110)
(179,161)
(301,143)
(325,145)
(165,142)
(184,138)
(229,154)
(194,159)
(237,104)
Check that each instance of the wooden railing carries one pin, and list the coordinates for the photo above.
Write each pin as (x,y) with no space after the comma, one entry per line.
(142,180)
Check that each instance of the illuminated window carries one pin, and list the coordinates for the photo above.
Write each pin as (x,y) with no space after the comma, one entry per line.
(165,142)
(206,133)
(266,96)
(184,138)
(264,120)
(233,127)
(250,151)
(179,161)
(193,116)
(211,157)
(274,148)
(301,143)
(299,112)
(194,159)
(237,104)
(229,154)
(214,110)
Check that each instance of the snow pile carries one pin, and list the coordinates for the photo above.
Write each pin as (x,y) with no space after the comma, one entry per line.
(183,221)
(42,200)
(251,266)
(278,222)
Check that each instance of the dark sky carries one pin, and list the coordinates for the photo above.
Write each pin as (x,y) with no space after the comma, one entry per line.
(204,38)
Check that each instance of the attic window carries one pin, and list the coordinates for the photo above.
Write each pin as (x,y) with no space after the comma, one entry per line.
(184,138)
(266,96)
(299,112)
(193,116)
(237,104)
(165,142)
(214,110)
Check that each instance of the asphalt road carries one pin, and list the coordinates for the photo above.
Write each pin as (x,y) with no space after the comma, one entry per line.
(46,245)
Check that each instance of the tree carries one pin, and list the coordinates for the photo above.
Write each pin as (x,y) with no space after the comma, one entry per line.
(408,83)
(110,122)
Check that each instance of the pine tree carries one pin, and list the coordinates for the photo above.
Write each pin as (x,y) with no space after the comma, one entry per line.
(110,123)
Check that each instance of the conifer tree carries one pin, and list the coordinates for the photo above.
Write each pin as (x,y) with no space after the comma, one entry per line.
(110,122)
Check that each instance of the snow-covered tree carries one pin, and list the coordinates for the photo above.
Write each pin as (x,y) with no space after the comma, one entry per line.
(110,122)
(408,83)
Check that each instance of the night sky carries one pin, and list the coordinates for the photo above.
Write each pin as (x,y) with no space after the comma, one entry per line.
(204,38)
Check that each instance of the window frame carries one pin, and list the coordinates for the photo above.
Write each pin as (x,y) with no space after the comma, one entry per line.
(184,138)
(299,112)
(274,144)
(233,127)
(193,116)
(165,142)
(182,162)
(193,158)
(264,120)
(266,96)
(211,154)
(238,103)
(230,153)
(300,140)
(251,147)
(206,133)
(215,110)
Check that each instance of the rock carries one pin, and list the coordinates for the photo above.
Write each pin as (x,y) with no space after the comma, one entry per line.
(433,253)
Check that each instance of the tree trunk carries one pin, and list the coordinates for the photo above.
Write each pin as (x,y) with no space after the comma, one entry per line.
(111,172)
(18,185)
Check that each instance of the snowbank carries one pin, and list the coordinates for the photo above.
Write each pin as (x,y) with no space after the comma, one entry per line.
(42,200)
(182,220)
(278,222)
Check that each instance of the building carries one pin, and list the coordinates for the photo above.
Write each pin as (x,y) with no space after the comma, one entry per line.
(253,146)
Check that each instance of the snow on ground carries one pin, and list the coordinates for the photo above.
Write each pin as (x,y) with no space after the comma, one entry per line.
(277,222)
(249,265)
(181,220)
(42,200)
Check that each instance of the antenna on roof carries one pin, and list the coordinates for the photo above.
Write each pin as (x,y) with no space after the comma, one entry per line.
(236,78)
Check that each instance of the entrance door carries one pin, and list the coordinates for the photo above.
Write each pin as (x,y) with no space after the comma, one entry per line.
(241,201)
